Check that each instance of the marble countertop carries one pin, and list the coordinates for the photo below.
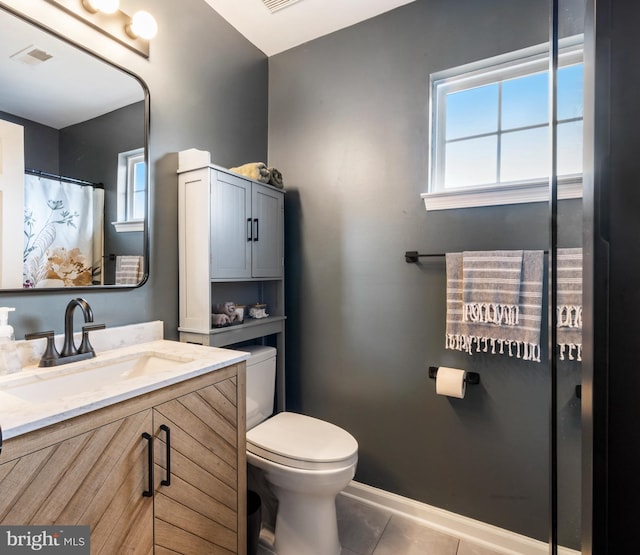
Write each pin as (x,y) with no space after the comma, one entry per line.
(30,400)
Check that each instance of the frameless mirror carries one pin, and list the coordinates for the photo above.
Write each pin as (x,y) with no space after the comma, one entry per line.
(73,165)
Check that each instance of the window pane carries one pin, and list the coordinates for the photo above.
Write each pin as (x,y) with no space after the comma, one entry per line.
(525,154)
(139,196)
(570,90)
(472,112)
(139,174)
(138,205)
(471,162)
(525,101)
(570,148)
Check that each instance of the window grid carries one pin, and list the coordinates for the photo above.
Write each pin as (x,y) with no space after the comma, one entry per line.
(508,68)
(132,187)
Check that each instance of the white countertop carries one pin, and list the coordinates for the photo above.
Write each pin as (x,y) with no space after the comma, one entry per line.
(19,415)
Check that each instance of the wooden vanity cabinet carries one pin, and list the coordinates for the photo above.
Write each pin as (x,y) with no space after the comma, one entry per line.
(93,478)
(93,469)
(198,511)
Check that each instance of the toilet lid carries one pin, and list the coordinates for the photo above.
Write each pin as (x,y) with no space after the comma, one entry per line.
(302,442)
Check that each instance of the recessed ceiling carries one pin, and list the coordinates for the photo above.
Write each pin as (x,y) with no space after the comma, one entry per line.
(296,22)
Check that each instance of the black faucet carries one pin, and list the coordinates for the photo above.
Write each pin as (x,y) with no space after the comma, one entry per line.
(69,347)
(69,353)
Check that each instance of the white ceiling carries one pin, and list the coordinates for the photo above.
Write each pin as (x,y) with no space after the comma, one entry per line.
(75,88)
(299,22)
(22,92)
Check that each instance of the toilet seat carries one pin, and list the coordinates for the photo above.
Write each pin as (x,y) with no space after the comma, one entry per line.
(302,442)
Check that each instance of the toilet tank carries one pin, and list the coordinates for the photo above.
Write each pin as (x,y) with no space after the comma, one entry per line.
(261,383)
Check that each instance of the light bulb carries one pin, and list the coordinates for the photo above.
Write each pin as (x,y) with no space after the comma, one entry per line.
(104,6)
(142,25)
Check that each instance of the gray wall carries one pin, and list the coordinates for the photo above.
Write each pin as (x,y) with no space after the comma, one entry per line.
(41,144)
(208,90)
(89,150)
(348,127)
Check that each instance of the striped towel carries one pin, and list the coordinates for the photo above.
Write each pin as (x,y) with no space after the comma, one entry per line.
(569,303)
(491,286)
(521,340)
(129,270)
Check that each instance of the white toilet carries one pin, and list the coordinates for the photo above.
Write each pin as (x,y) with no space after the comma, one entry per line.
(306,461)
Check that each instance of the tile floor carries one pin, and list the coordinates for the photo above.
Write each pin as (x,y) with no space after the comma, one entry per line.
(368,530)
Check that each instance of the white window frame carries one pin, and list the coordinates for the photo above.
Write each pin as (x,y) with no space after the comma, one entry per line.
(492,70)
(126,164)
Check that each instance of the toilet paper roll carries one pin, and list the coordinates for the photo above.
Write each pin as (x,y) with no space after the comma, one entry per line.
(451,382)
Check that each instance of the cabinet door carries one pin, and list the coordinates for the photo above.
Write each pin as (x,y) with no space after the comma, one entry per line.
(198,511)
(96,479)
(231,227)
(267,208)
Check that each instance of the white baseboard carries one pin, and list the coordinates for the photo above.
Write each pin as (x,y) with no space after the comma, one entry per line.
(475,531)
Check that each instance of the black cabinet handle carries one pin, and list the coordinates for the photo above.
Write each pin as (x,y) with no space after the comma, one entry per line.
(167,480)
(257,236)
(249,230)
(149,492)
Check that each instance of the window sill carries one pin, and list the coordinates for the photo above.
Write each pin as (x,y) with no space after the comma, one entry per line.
(505,194)
(134,225)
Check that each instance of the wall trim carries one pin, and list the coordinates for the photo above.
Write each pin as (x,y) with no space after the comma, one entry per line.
(481,533)
(500,195)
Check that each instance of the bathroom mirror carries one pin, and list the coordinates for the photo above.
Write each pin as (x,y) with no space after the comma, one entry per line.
(73,165)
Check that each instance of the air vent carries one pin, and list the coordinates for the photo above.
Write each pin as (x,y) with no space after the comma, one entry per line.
(31,55)
(275,5)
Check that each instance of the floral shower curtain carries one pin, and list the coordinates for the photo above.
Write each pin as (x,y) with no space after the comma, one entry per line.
(63,237)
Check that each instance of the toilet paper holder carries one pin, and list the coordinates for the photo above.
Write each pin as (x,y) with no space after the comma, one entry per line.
(471,378)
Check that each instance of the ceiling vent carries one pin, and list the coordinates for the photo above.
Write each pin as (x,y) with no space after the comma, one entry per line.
(31,56)
(275,5)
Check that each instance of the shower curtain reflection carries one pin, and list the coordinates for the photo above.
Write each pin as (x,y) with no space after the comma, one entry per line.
(63,238)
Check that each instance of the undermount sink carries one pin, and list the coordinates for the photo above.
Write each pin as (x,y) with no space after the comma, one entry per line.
(131,362)
(87,376)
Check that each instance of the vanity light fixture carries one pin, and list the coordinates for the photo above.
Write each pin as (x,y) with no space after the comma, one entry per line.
(106,17)
(143,25)
(104,6)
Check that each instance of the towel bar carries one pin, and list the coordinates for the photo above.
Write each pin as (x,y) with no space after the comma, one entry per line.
(411,257)
(472,378)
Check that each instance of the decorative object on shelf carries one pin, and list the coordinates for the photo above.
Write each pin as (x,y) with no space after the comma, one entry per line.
(239,315)
(228,308)
(258,311)
(226,314)
(258,171)
(275,178)
(220,320)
